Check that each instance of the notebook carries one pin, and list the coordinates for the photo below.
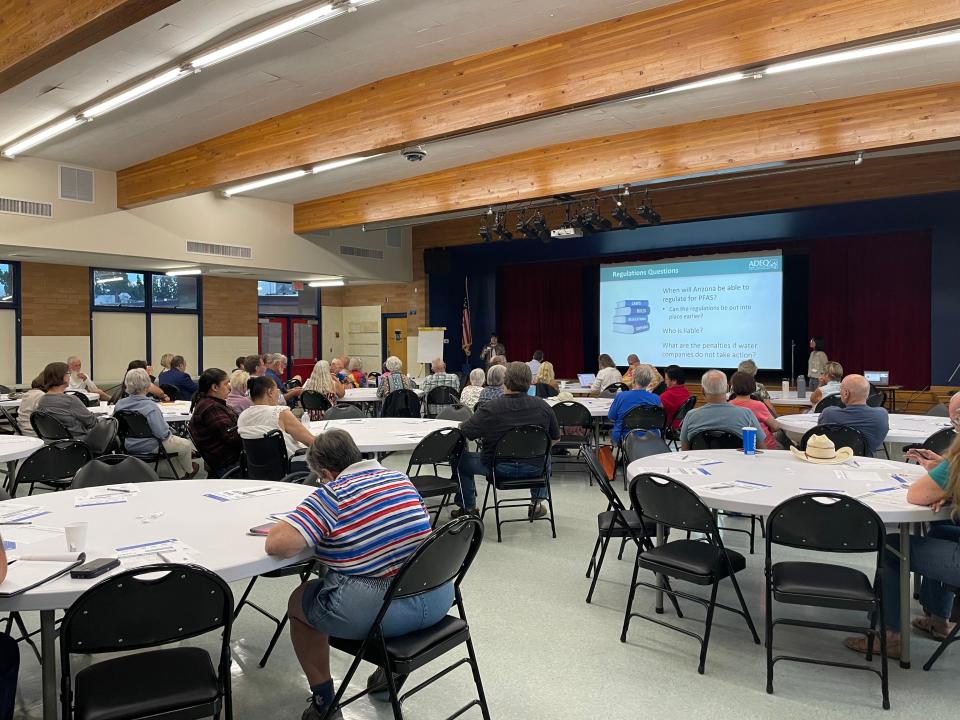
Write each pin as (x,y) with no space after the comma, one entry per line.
(30,571)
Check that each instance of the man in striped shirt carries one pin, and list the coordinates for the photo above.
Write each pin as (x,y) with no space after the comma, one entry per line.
(362,523)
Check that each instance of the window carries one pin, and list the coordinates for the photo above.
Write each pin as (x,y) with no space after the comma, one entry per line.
(118,289)
(280,298)
(6,285)
(174,293)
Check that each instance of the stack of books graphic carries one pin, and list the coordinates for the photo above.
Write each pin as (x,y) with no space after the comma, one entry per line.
(631,317)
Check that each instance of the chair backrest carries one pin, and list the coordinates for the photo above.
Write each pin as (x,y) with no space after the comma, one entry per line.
(593,465)
(102,437)
(134,425)
(59,460)
(825,522)
(832,400)
(266,458)
(940,441)
(689,404)
(616,387)
(47,427)
(444,556)
(171,391)
(572,414)
(668,502)
(343,412)
(524,442)
(402,403)
(443,395)
(877,399)
(113,470)
(644,417)
(545,390)
(5,390)
(116,394)
(82,397)
(939,410)
(313,400)
(457,413)
(442,446)
(841,436)
(715,440)
(640,444)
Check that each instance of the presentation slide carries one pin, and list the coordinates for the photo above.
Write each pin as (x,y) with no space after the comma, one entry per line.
(697,312)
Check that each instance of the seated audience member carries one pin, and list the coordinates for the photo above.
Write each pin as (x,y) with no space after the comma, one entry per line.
(239,362)
(239,398)
(744,386)
(624,402)
(471,393)
(338,369)
(322,381)
(165,361)
(657,384)
(275,367)
(137,383)
(254,366)
(675,395)
(489,423)
(362,523)
(633,362)
(79,382)
(28,402)
(717,414)
(934,555)
(829,382)
(393,377)
(873,422)
(154,390)
(534,363)
(750,367)
(494,388)
(355,376)
(266,415)
(69,410)
(546,380)
(606,375)
(177,376)
(213,425)
(9,657)
(439,377)
(498,360)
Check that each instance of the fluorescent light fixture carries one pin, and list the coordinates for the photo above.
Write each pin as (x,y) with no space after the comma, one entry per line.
(326,283)
(695,85)
(274,32)
(137,91)
(264,182)
(40,136)
(187,271)
(111,279)
(346,162)
(889,48)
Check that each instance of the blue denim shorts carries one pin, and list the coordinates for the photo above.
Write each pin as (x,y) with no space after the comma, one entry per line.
(346,606)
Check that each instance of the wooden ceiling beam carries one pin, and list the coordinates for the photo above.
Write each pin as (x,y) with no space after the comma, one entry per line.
(825,129)
(611,59)
(37,34)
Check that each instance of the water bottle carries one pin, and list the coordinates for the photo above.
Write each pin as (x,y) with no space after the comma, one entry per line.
(801,387)
(785,389)
(305,419)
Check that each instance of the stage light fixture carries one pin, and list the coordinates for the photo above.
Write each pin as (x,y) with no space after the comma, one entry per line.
(501,229)
(539,225)
(623,216)
(484,232)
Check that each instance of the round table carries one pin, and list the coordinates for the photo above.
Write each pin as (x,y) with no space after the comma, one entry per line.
(576,389)
(16,447)
(384,434)
(367,395)
(215,531)
(176,411)
(755,484)
(778,398)
(904,429)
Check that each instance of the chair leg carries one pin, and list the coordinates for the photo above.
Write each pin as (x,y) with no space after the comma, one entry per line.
(17,618)
(768,627)
(394,698)
(623,544)
(746,613)
(486,495)
(708,625)
(553,523)
(870,635)
(243,598)
(633,592)
(475,669)
(952,637)
(596,572)
(496,510)
(590,566)
(273,641)
(884,670)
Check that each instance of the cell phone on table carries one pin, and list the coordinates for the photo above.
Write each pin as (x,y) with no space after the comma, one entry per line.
(261,530)
(94,568)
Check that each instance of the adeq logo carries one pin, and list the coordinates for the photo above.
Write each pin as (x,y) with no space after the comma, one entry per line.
(764,264)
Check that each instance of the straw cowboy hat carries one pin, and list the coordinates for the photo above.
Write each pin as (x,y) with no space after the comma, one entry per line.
(821,450)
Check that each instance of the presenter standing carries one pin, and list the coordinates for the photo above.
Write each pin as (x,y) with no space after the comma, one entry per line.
(817,363)
(492,350)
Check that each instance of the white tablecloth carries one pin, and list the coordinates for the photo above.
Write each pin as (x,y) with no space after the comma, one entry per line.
(368,394)
(904,429)
(777,398)
(17,447)
(384,434)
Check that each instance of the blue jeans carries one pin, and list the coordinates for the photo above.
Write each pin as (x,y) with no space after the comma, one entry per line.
(472,464)
(935,556)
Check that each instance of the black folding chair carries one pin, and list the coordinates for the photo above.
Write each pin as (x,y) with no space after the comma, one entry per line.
(649,418)
(9,416)
(572,414)
(666,502)
(402,403)
(342,411)
(175,683)
(949,639)
(456,413)
(82,397)
(832,400)
(439,398)
(213,471)
(671,435)
(828,523)
(47,427)
(877,399)
(616,387)
(266,458)
(530,445)
(444,557)
(53,465)
(113,470)
(442,447)
(314,403)
(172,392)
(639,444)
(939,442)
(134,426)
(841,436)
(102,438)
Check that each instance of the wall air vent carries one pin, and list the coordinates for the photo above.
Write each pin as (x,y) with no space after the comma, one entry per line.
(361,252)
(76,184)
(224,251)
(11,206)
(394,238)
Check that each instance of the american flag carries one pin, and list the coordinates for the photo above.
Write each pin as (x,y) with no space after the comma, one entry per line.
(466,335)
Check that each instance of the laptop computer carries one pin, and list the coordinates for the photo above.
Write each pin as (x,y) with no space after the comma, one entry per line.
(877,377)
(586,379)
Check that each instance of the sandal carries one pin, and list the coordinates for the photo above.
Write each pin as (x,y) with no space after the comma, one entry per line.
(859,644)
(937,628)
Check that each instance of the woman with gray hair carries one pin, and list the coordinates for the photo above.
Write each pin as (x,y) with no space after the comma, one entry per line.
(471,393)
(137,382)
(393,377)
(494,388)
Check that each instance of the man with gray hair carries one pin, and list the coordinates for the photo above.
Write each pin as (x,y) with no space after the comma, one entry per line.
(624,402)
(717,413)
(80,382)
(873,422)
(276,366)
(439,378)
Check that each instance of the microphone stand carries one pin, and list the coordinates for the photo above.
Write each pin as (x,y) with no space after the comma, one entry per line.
(793,356)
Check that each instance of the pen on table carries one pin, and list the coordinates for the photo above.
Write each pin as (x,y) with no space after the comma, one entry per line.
(119,489)
(24,522)
(750,482)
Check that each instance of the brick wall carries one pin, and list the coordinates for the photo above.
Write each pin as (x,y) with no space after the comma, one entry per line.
(229,307)
(55,299)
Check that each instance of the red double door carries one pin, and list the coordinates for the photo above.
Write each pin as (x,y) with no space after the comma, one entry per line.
(295,337)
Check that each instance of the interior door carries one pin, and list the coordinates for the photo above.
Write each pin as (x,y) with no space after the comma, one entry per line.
(273,336)
(397,339)
(304,346)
